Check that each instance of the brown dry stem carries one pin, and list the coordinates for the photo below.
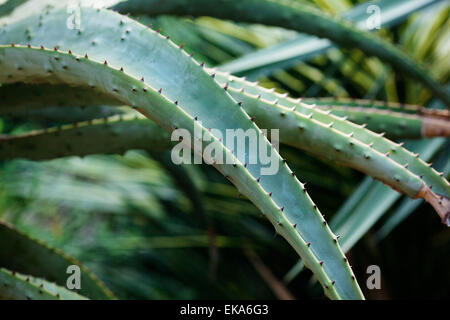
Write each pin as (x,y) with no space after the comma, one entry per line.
(440,203)
(435,127)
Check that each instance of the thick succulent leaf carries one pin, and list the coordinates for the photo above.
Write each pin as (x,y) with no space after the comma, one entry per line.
(408,206)
(352,145)
(397,121)
(35,65)
(24,254)
(52,115)
(241,90)
(357,221)
(303,47)
(117,134)
(19,98)
(77,140)
(122,42)
(15,286)
(296,16)
(94,44)
(339,102)
(109,135)
(376,142)
(370,201)
(396,125)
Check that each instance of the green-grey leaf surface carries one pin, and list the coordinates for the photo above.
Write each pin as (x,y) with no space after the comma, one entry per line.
(150,57)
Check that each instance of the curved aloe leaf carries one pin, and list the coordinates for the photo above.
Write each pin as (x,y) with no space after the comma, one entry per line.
(352,145)
(20,98)
(119,133)
(52,115)
(24,254)
(376,142)
(370,201)
(296,16)
(15,286)
(303,47)
(396,120)
(396,125)
(72,69)
(67,141)
(178,105)
(379,105)
(109,135)
(407,206)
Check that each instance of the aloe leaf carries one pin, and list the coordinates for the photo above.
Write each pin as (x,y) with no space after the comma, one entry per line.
(371,194)
(119,133)
(241,89)
(367,205)
(396,125)
(15,286)
(63,141)
(405,208)
(352,145)
(24,254)
(355,223)
(73,70)
(379,105)
(396,120)
(177,106)
(58,115)
(296,16)
(20,98)
(376,142)
(113,135)
(303,47)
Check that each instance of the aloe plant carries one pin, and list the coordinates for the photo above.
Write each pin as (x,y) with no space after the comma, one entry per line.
(297,133)
(296,16)
(43,261)
(113,64)
(303,47)
(21,287)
